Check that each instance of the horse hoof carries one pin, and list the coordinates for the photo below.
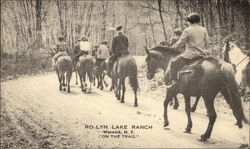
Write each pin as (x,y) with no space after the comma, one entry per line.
(135,105)
(187,130)
(202,138)
(64,89)
(122,101)
(69,91)
(166,123)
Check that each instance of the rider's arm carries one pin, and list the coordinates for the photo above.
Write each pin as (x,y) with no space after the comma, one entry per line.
(113,45)
(182,40)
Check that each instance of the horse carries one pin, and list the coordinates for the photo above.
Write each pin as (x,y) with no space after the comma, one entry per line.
(156,60)
(85,66)
(205,77)
(101,67)
(64,66)
(233,54)
(124,67)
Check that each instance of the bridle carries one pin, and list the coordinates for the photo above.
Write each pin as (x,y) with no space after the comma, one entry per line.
(153,59)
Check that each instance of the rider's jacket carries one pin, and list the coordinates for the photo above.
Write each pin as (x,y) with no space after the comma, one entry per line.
(120,44)
(84,46)
(103,52)
(196,39)
(61,47)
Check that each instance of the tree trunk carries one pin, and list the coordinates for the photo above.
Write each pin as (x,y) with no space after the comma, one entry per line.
(38,23)
(60,15)
(179,14)
(152,27)
(162,21)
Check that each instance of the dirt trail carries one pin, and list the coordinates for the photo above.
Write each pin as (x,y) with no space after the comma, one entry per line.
(34,114)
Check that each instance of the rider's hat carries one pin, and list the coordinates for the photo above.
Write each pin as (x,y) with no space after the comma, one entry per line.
(104,42)
(119,27)
(178,31)
(193,18)
(85,38)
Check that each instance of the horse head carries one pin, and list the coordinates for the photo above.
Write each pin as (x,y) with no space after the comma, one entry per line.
(154,63)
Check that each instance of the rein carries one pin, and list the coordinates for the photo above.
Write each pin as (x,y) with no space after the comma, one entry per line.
(241,61)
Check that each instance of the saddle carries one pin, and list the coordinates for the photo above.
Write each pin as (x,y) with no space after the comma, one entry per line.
(190,67)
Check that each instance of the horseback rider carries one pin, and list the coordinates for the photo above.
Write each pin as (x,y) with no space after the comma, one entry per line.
(102,53)
(196,40)
(119,47)
(177,35)
(61,50)
(94,52)
(84,48)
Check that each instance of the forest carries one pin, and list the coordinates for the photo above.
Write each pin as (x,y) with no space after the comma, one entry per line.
(30,27)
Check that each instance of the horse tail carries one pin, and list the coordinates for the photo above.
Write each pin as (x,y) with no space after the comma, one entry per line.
(232,86)
(133,80)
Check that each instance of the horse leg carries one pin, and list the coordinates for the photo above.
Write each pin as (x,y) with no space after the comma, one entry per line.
(135,102)
(195,104)
(209,103)
(187,109)
(123,89)
(84,82)
(118,89)
(68,76)
(95,76)
(90,75)
(103,78)
(227,94)
(63,79)
(169,96)
(112,85)
(59,79)
(76,78)
(176,103)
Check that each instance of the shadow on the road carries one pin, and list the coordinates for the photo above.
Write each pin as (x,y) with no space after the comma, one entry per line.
(90,94)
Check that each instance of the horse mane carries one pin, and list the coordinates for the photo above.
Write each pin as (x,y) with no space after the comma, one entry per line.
(165,50)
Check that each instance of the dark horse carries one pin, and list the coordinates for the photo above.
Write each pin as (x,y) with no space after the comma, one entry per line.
(155,60)
(64,67)
(85,66)
(101,66)
(124,67)
(207,77)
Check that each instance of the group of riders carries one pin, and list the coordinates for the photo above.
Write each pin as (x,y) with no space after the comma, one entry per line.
(101,53)
(192,42)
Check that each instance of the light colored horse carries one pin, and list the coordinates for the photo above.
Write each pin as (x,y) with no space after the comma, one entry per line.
(233,54)
(85,66)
